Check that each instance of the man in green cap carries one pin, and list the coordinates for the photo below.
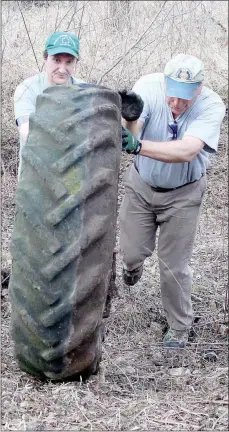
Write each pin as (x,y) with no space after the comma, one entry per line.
(178,128)
(61,56)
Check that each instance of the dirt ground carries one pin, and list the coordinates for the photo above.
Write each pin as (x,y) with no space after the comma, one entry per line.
(140,385)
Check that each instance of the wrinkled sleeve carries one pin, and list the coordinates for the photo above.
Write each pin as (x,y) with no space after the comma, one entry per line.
(140,88)
(207,125)
(24,101)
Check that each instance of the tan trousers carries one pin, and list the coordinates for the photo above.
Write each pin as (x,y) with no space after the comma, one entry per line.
(176,213)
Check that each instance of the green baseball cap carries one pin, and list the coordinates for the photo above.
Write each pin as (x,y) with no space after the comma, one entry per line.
(184,75)
(62,42)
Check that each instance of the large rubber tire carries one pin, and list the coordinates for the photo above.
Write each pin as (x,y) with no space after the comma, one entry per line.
(64,231)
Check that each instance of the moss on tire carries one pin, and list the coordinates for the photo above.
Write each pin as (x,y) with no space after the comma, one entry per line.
(64,230)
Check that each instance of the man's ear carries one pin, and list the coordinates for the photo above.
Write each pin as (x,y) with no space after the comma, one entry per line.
(199,90)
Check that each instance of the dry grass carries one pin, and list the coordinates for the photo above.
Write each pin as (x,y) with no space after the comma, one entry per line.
(140,385)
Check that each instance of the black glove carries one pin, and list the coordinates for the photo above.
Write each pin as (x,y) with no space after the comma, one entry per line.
(132,105)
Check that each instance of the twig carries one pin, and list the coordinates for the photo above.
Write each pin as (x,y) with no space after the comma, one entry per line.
(62,19)
(212,344)
(28,35)
(4,280)
(137,415)
(84,415)
(132,46)
(57,15)
(171,422)
(95,54)
(226,305)
(120,370)
(99,21)
(164,21)
(72,17)
(3,49)
(81,19)
(3,167)
(215,402)
(125,46)
(196,298)
(217,73)
(191,412)
(218,419)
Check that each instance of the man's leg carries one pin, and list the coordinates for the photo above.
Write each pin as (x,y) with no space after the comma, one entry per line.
(178,225)
(137,225)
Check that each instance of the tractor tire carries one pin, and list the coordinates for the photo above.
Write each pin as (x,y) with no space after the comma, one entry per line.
(64,231)
(112,291)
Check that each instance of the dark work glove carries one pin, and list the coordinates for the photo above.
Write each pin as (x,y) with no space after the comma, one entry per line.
(130,144)
(132,105)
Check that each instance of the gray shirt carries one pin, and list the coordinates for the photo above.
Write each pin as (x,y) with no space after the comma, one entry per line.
(26,94)
(202,120)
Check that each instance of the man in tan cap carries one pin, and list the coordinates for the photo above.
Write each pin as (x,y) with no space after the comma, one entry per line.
(164,188)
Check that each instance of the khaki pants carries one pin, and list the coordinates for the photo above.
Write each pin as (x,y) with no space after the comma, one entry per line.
(176,213)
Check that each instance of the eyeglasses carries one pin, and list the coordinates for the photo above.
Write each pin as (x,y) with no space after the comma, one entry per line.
(174,128)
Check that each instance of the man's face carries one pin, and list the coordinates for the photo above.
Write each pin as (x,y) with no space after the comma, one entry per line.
(178,106)
(59,68)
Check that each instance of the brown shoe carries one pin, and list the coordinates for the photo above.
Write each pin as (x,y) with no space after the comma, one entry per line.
(133,276)
(175,338)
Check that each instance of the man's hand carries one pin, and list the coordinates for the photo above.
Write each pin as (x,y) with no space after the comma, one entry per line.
(132,105)
(23,127)
(130,144)
(24,131)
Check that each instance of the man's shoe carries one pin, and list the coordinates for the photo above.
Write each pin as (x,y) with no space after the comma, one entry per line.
(133,276)
(175,338)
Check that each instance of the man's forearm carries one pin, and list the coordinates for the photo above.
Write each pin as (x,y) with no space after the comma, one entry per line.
(178,151)
(133,126)
(24,131)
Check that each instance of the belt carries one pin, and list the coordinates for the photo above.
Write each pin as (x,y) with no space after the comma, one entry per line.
(158,189)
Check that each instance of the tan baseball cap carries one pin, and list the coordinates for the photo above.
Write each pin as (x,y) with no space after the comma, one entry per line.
(184,74)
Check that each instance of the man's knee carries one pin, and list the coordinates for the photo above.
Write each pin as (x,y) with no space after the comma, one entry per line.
(133,255)
(175,274)
(131,259)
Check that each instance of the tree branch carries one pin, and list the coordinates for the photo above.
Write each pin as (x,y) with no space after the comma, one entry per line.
(133,46)
(28,35)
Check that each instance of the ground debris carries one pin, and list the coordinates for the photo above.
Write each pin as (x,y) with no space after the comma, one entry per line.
(181,371)
(5,276)
(210,356)
(135,388)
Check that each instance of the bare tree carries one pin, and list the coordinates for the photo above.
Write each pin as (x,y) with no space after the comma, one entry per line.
(117,11)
